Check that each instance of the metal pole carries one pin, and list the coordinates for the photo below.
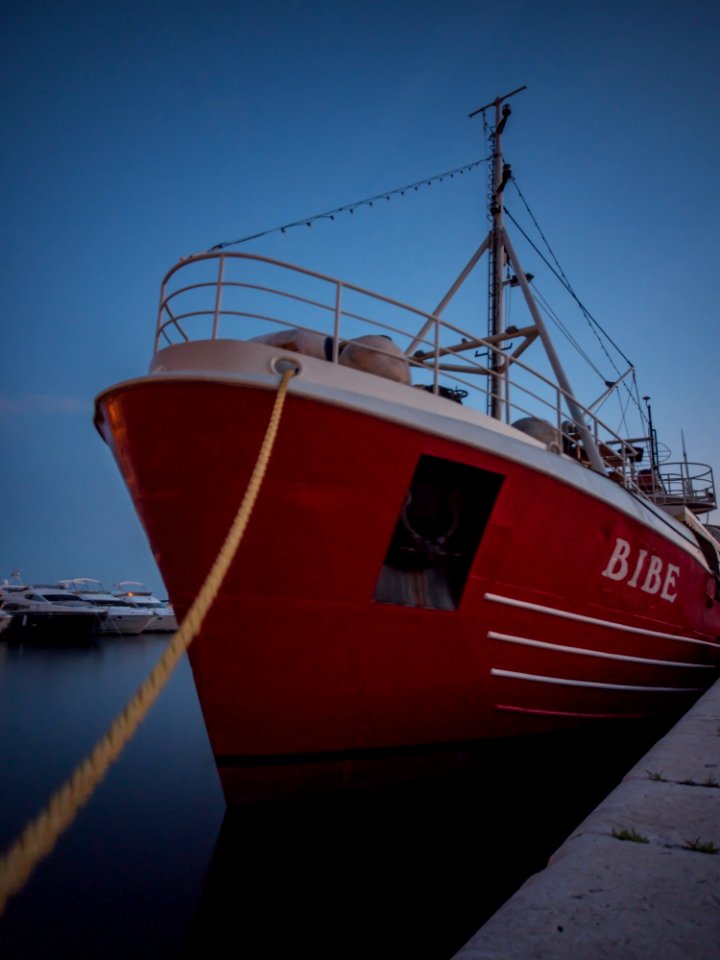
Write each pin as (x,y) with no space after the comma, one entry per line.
(218,297)
(336,325)
(449,295)
(500,174)
(653,439)
(497,253)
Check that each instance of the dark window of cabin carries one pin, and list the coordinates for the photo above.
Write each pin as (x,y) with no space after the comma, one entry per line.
(437,533)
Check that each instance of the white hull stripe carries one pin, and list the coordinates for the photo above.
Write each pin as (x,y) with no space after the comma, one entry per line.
(564,682)
(609,624)
(583,651)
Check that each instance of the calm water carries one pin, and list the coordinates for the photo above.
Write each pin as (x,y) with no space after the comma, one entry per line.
(154,867)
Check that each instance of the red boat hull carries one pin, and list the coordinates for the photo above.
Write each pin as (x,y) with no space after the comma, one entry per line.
(307,668)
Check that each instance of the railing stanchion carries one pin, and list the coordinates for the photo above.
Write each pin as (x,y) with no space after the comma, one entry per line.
(158,328)
(336,323)
(218,296)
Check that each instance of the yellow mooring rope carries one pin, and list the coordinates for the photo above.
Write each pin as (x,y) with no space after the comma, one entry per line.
(41,834)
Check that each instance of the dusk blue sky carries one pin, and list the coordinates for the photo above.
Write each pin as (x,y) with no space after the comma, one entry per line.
(136,133)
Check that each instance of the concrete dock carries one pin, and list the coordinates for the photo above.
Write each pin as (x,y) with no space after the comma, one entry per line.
(640,876)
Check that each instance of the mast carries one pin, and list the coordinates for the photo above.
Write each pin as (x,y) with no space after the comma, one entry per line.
(500,173)
(500,251)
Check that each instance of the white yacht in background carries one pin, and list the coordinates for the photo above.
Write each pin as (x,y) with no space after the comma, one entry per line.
(122,618)
(138,595)
(43,613)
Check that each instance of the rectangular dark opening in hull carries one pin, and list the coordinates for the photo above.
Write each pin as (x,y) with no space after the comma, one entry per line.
(444,514)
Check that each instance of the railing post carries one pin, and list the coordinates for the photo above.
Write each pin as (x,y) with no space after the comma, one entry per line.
(336,322)
(508,384)
(218,296)
(558,415)
(159,317)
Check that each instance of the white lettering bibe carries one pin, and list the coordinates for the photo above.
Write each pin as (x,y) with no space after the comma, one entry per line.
(644,570)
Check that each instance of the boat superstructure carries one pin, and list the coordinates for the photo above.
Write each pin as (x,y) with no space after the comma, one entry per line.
(121,618)
(136,594)
(448,546)
(47,614)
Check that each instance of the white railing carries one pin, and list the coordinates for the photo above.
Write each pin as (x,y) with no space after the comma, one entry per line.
(689,484)
(241,296)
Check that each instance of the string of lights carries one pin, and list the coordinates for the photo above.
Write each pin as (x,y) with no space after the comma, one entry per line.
(352,207)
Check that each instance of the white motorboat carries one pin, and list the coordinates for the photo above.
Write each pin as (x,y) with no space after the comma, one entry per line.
(122,618)
(137,595)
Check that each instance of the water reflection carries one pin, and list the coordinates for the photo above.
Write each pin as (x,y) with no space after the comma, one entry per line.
(151,867)
(126,876)
(410,870)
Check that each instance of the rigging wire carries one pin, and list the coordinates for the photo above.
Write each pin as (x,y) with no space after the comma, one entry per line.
(623,413)
(564,330)
(594,325)
(352,207)
(644,419)
(560,274)
(632,396)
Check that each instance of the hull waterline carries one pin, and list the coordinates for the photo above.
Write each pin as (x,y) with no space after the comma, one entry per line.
(51,629)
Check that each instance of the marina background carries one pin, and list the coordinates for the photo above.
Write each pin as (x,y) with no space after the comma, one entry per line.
(136,134)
